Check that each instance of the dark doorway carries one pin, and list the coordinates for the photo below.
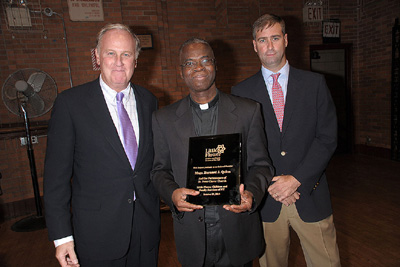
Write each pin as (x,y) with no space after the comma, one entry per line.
(334,61)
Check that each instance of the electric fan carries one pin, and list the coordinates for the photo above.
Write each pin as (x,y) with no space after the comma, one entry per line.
(30,93)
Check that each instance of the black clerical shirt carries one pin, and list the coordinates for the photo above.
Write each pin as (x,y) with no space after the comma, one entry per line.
(205,123)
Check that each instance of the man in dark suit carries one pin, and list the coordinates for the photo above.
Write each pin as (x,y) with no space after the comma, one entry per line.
(301,126)
(101,206)
(228,235)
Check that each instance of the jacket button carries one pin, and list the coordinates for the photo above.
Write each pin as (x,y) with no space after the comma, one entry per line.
(129,201)
(283,153)
(200,219)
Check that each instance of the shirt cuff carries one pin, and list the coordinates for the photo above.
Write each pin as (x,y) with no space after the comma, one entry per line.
(64,240)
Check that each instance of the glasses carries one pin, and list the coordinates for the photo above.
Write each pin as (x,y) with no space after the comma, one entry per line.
(205,62)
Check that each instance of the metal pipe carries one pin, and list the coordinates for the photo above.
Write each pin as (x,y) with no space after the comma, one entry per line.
(49,12)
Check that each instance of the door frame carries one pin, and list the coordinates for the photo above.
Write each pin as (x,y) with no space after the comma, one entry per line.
(347,47)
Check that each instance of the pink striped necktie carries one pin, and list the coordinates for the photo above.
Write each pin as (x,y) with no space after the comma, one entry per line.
(277,99)
(129,137)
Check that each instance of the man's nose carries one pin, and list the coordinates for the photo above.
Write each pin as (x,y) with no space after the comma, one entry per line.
(199,66)
(269,44)
(119,61)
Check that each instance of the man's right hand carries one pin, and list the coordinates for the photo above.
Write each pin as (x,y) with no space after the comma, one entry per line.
(66,255)
(179,199)
(291,199)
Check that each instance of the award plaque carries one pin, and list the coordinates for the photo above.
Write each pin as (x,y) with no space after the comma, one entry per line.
(214,169)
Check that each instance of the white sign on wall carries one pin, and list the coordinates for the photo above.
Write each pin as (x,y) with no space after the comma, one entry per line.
(18,17)
(313,13)
(86,10)
(331,29)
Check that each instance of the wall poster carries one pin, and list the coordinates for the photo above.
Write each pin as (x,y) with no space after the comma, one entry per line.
(86,10)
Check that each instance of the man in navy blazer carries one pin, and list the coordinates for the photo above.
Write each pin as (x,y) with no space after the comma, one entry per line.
(99,209)
(224,235)
(300,151)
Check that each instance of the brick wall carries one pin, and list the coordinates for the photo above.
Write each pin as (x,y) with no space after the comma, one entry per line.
(227,25)
(372,80)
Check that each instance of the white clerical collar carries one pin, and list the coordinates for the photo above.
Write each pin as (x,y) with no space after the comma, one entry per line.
(203,106)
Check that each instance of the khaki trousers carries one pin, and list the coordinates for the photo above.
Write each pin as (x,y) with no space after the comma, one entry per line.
(318,240)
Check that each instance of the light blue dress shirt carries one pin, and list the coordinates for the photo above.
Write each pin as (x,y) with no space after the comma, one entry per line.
(283,79)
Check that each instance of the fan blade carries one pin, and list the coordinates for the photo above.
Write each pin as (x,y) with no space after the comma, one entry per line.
(34,99)
(36,80)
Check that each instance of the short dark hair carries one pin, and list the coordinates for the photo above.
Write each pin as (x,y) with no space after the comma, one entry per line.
(266,21)
(118,26)
(193,40)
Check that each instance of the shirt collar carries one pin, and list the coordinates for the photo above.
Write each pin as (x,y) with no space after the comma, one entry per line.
(284,71)
(206,106)
(111,94)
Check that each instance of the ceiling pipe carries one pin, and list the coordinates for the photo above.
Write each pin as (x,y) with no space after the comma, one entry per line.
(49,12)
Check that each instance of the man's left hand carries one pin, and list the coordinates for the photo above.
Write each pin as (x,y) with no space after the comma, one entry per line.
(284,186)
(245,204)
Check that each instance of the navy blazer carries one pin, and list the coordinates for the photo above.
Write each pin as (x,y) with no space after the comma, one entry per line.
(307,142)
(83,144)
(172,127)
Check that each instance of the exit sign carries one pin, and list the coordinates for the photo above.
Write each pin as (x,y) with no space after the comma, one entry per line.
(331,31)
(313,13)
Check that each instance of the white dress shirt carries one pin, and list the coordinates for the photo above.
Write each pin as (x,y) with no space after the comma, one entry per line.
(129,102)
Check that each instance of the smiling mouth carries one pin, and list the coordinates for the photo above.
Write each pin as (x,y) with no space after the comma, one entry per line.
(200,77)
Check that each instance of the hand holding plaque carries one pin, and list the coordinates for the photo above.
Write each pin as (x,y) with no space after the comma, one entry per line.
(179,197)
(246,201)
(214,168)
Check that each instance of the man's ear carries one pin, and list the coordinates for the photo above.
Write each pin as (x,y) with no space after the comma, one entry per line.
(180,72)
(97,57)
(255,46)
(286,40)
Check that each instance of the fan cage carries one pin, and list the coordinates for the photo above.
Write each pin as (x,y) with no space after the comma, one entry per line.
(13,99)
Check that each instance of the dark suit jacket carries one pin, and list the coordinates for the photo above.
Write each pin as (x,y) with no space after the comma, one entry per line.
(83,143)
(172,127)
(307,141)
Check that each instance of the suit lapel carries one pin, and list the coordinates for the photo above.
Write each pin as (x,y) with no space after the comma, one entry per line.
(183,120)
(262,96)
(291,96)
(226,118)
(144,124)
(99,111)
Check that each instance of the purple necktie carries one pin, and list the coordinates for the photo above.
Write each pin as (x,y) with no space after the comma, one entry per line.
(128,134)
